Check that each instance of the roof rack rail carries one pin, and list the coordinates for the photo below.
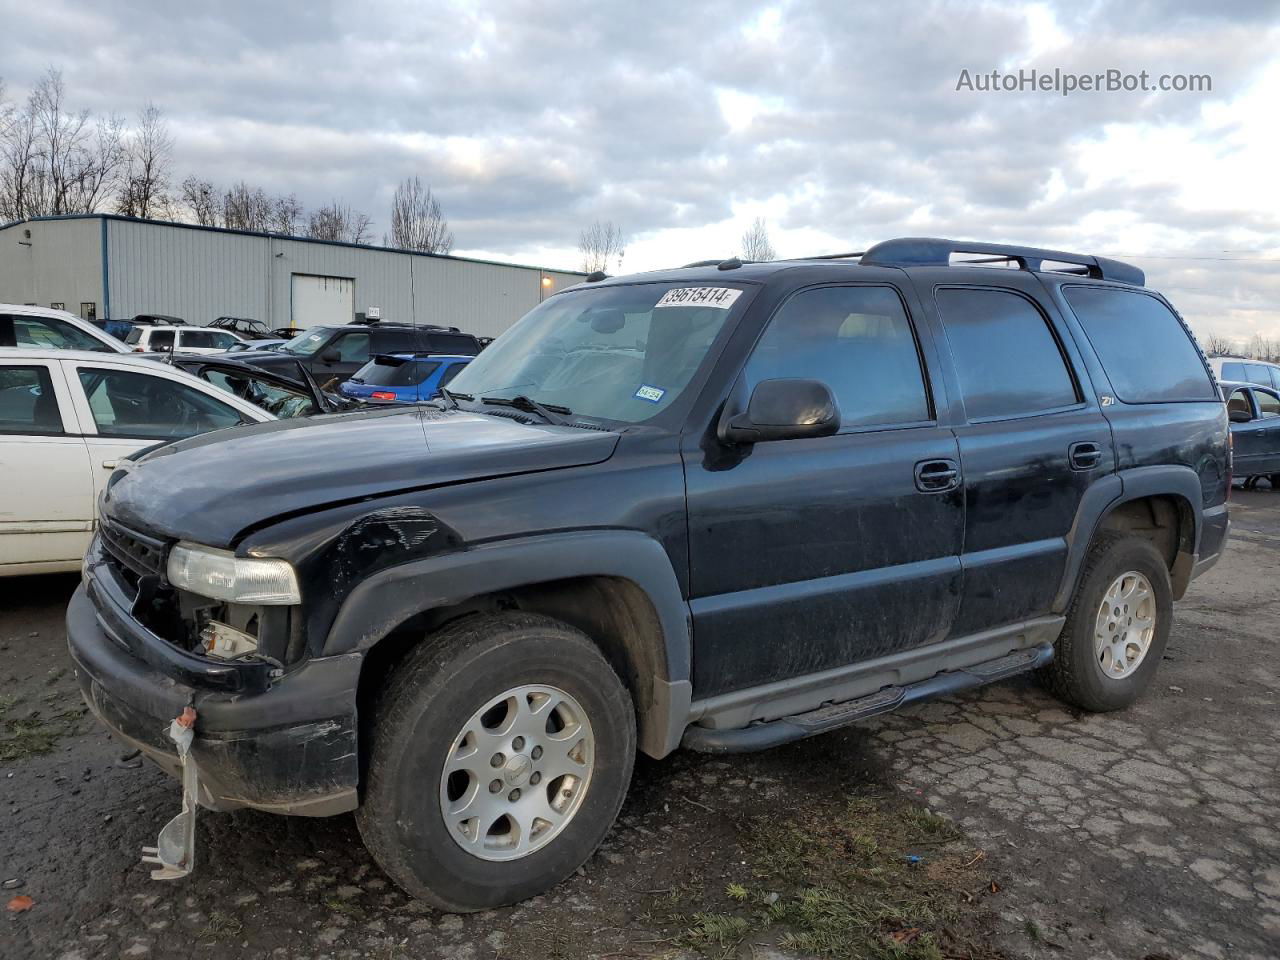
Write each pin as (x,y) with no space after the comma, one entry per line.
(934,252)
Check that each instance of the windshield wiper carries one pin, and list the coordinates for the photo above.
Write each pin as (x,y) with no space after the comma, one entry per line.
(451,398)
(552,413)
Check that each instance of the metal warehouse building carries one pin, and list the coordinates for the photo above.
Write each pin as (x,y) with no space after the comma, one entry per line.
(102,266)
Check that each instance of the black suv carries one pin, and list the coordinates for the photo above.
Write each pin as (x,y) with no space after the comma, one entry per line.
(725,507)
(332,354)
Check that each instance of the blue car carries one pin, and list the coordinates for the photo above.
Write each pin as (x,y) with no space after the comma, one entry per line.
(403,377)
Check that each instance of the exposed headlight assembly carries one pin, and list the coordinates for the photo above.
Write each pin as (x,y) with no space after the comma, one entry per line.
(221,575)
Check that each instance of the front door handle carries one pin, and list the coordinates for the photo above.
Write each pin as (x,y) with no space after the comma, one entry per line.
(1084,455)
(937,476)
(108,464)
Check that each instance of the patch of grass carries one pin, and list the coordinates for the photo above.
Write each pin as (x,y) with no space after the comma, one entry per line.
(221,926)
(716,932)
(872,877)
(34,734)
(1032,930)
(338,905)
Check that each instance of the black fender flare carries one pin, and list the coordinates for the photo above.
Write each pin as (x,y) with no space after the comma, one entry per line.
(1110,492)
(386,599)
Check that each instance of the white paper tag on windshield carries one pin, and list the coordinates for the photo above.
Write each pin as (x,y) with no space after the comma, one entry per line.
(652,394)
(720,297)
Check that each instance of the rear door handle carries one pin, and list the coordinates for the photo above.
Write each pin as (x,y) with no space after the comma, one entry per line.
(1084,455)
(937,476)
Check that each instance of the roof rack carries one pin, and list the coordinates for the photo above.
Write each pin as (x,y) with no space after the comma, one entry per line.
(934,252)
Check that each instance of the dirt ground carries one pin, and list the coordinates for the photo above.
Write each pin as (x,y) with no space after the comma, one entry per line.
(998,824)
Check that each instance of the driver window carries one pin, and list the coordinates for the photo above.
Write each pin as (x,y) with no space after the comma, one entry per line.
(353,348)
(128,404)
(1239,403)
(856,340)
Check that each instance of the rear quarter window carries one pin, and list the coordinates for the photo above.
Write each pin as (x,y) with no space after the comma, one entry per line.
(1147,353)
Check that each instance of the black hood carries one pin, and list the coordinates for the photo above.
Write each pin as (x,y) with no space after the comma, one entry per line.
(210,488)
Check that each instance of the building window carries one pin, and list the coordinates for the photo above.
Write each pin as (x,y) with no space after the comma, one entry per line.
(88,311)
(57,306)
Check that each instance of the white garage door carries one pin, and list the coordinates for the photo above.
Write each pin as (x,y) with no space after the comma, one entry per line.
(322,300)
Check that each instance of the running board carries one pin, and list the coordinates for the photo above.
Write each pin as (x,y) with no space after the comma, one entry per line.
(772,733)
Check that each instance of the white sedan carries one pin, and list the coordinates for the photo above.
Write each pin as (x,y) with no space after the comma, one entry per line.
(66,418)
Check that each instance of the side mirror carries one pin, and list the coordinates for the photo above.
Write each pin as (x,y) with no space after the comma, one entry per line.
(784,410)
(330,356)
(1239,416)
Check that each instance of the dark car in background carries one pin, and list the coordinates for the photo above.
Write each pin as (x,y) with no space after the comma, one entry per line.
(1254,412)
(334,353)
(280,395)
(248,328)
(403,377)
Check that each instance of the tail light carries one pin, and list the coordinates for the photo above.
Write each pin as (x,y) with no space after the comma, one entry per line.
(382,395)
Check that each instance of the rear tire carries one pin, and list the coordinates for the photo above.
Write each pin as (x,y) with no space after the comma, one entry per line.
(1104,658)
(1275,481)
(469,832)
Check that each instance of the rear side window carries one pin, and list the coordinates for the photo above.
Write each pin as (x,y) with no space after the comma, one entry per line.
(455,343)
(161,340)
(27,402)
(142,405)
(1268,405)
(196,339)
(856,340)
(1233,371)
(1008,360)
(1147,354)
(1258,373)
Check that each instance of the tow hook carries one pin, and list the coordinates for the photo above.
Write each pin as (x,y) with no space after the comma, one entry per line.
(175,849)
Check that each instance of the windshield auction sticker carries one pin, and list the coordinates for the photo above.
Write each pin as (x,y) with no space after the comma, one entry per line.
(719,297)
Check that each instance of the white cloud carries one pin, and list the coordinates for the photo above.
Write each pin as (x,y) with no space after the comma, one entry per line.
(840,124)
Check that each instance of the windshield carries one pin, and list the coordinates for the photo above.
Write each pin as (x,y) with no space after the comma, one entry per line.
(618,353)
(307,342)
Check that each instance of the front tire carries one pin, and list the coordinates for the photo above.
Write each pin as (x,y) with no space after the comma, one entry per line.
(1117,627)
(500,753)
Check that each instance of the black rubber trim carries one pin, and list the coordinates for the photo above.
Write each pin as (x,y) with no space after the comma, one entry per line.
(761,736)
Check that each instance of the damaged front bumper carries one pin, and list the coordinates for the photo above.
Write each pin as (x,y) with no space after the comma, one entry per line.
(289,748)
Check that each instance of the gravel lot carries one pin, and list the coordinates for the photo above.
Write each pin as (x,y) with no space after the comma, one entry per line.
(1146,835)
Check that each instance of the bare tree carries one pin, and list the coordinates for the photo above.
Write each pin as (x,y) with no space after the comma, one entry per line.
(245,208)
(286,214)
(1216,345)
(20,176)
(56,160)
(336,221)
(417,222)
(1263,348)
(148,149)
(201,201)
(81,158)
(755,242)
(600,243)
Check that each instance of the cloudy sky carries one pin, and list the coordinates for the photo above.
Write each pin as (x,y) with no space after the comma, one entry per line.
(839,122)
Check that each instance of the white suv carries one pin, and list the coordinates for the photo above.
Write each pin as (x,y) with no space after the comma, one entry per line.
(44,329)
(1241,370)
(182,339)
